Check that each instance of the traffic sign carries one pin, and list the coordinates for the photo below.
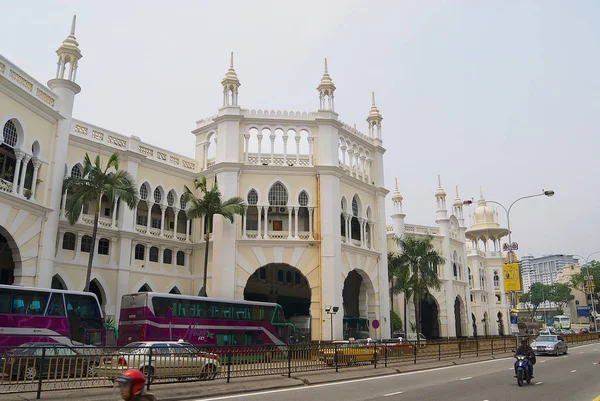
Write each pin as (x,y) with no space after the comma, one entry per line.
(375,324)
(169,315)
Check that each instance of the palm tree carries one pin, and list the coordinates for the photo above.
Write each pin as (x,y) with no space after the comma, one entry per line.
(208,205)
(98,181)
(420,257)
(399,278)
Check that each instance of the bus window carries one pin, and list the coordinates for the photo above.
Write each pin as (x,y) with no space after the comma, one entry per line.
(253,338)
(223,339)
(56,306)
(242,313)
(29,302)
(82,306)
(279,316)
(5,298)
(227,311)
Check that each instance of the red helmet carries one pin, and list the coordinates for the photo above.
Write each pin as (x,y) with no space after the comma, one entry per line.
(134,378)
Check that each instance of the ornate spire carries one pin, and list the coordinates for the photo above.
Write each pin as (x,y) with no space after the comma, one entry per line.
(231,84)
(68,53)
(374,119)
(326,89)
(440,191)
(457,202)
(397,196)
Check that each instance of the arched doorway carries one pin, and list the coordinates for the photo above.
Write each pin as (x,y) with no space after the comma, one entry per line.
(356,293)
(457,317)
(429,311)
(96,289)
(500,324)
(7,264)
(283,284)
(58,283)
(474,325)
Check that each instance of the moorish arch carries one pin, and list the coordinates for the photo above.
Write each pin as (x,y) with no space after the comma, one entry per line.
(283,284)
(10,257)
(429,312)
(97,289)
(58,283)
(460,318)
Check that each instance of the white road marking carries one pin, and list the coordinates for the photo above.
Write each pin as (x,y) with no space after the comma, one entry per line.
(467,378)
(543,361)
(574,370)
(390,394)
(298,388)
(536,383)
(582,352)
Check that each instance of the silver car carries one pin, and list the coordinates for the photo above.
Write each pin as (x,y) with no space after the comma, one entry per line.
(550,344)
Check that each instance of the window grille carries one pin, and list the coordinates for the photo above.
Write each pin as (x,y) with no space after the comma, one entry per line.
(157,196)
(103,246)
(144,192)
(278,195)
(182,203)
(354,207)
(252,197)
(10,134)
(76,171)
(170,198)
(303,198)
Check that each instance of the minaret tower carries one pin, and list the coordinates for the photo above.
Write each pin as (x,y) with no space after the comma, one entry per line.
(440,197)
(326,89)
(231,85)
(457,207)
(65,88)
(398,216)
(374,119)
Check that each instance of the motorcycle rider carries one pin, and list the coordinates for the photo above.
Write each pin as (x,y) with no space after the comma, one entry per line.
(525,349)
(131,386)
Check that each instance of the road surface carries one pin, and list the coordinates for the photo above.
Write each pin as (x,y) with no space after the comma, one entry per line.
(572,377)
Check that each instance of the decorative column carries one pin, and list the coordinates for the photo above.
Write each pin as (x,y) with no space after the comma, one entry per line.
(64,204)
(246,146)
(348,230)
(290,209)
(26,159)
(187,230)
(149,205)
(188,260)
(296,222)
(310,222)
(135,210)
(285,139)
(259,208)
(244,220)
(205,153)
(174,259)
(356,165)
(161,256)
(147,256)
(350,167)
(36,168)
(363,168)
(132,258)
(78,245)
(112,251)
(61,234)
(369,165)
(20,155)
(371,236)
(310,151)
(343,149)
(272,138)
(114,212)
(163,210)
(176,212)
(266,236)
(297,138)
(259,136)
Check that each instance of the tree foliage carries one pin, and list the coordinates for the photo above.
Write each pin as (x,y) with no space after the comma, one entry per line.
(577,281)
(98,181)
(208,204)
(399,276)
(539,293)
(396,322)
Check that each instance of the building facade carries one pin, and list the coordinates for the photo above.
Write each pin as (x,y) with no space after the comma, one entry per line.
(471,301)
(543,269)
(296,171)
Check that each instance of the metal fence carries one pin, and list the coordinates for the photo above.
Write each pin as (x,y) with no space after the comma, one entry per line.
(45,369)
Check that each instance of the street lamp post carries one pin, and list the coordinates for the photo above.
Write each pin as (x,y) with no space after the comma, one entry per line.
(331,311)
(510,248)
(588,278)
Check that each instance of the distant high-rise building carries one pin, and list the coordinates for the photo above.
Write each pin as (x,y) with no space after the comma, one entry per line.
(526,268)
(543,269)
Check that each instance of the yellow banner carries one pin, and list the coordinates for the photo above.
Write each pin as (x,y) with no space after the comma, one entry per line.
(512,281)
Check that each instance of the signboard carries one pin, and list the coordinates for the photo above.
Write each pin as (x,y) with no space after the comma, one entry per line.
(375,324)
(583,311)
(512,279)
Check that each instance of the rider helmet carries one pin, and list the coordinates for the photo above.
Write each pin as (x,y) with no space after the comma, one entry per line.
(134,378)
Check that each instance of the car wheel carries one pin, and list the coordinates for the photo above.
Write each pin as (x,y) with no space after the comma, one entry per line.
(556,353)
(209,372)
(566,350)
(92,370)
(29,373)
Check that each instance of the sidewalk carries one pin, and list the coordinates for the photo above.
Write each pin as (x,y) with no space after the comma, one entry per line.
(193,390)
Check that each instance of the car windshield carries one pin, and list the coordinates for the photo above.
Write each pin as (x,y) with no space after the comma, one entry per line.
(134,348)
(546,338)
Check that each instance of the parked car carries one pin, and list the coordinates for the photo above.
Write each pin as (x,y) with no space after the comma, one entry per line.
(59,361)
(162,359)
(348,352)
(549,344)
(397,346)
(583,331)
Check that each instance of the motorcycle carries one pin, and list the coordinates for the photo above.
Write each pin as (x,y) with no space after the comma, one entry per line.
(523,370)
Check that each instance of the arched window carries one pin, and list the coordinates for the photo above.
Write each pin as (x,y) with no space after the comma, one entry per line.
(252,197)
(174,290)
(139,251)
(145,288)
(470,278)
(58,283)
(76,171)
(153,254)
(103,246)
(168,256)
(180,258)
(355,232)
(278,195)
(157,195)
(496,279)
(303,199)
(455,270)
(182,203)
(144,192)
(170,198)
(69,240)
(86,244)
(10,134)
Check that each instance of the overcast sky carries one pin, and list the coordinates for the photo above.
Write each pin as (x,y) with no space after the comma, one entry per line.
(501,95)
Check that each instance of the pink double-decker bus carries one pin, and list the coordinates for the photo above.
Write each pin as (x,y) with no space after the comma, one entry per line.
(201,321)
(29,314)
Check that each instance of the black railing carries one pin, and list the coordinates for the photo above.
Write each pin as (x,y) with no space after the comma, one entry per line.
(42,369)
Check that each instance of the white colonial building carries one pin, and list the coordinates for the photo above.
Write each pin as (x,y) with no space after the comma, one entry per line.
(297,171)
(471,301)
